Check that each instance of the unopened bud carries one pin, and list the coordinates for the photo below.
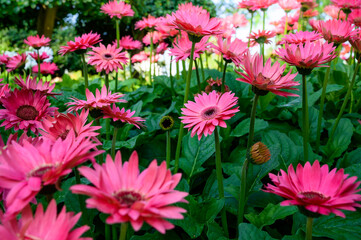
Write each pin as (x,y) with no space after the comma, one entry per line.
(166,123)
(259,153)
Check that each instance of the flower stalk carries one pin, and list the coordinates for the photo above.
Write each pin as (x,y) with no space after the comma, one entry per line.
(118,39)
(309,228)
(123,231)
(150,59)
(38,60)
(224,76)
(114,140)
(85,71)
(250,29)
(305,118)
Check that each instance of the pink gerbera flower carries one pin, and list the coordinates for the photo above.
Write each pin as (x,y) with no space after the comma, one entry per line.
(316,189)
(300,37)
(266,78)
(355,41)
(347,4)
(117,9)
(120,116)
(182,48)
(260,37)
(166,27)
(46,225)
(36,41)
(334,12)
(262,4)
(289,5)
(208,111)
(129,196)
(127,42)
(42,57)
(16,62)
(232,51)
(307,56)
(46,68)
(4,59)
(162,47)
(100,100)
(149,22)
(31,84)
(310,13)
(4,91)
(155,35)
(336,31)
(355,17)
(25,110)
(28,167)
(81,43)
(139,57)
(108,58)
(246,4)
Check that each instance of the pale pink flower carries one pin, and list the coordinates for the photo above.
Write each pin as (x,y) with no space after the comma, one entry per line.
(16,62)
(157,37)
(182,48)
(162,47)
(117,9)
(334,12)
(166,28)
(46,68)
(231,51)
(310,13)
(149,22)
(36,41)
(122,116)
(237,20)
(316,189)
(208,111)
(127,42)
(129,196)
(262,4)
(139,57)
(336,31)
(81,43)
(300,37)
(32,84)
(246,4)
(347,4)
(289,5)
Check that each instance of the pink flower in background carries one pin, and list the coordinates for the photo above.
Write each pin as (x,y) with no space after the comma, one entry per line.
(355,41)
(127,42)
(42,57)
(36,41)
(46,225)
(237,20)
(232,51)
(157,37)
(162,47)
(149,22)
(310,13)
(333,11)
(4,59)
(25,110)
(166,28)
(16,62)
(81,43)
(289,5)
(347,3)
(336,31)
(46,68)
(117,9)
(316,189)
(300,37)
(31,84)
(182,49)
(262,36)
(314,24)
(344,53)
(267,78)
(100,100)
(246,4)
(4,91)
(262,4)
(26,168)
(127,195)
(227,28)
(208,111)
(355,17)
(108,58)
(139,57)
(122,115)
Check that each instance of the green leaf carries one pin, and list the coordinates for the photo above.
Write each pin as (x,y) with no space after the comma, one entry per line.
(350,158)
(215,232)
(249,232)
(270,214)
(264,101)
(243,127)
(354,170)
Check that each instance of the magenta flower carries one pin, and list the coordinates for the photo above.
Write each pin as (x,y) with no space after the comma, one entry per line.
(316,189)
(208,111)
(117,9)
(300,37)
(336,31)
(16,62)
(289,5)
(231,51)
(127,42)
(129,196)
(139,57)
(334,11)
(81,43)
(36,41)
(262,36)
(122,116)
(182,48)
(355,41)
(4,59)
(31,84)
(42,57)
(347,4)
(149,22)
(46,68)
(355,17)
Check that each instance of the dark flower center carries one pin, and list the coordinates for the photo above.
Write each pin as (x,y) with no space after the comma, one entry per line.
(209,113)
(128,197)
(108,56)
(64,134)
(40,171)
(27,112)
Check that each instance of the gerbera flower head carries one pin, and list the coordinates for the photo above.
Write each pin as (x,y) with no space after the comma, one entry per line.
(289,5)
(246,4)
(4,91)
(41,57)
(97,102)
(117,9)
(266,78)
(334,12)
(81,44)
(149,22)
(336,31)
(166,28)
(155,35)
(120,116)
(43,225)
(31,84)
(215,84)
(355,17)
(300,37)
(129,196)
(307,56)
(4,59)
(128,43)
(344,53)
(196,22)
(108,58)
(36,41)
(46,68)
(262,36)
(139,57)
(262,4)
(16,62)
(347,5)
(25,110)
(355,41)
(182,48)
(208,111)
(162,47)
(232,51)
(316,189)
(237,20)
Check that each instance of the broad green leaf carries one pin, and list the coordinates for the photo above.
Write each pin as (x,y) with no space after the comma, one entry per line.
(243,127)
(264,101)
(350,158)
(249,232)
(215,232)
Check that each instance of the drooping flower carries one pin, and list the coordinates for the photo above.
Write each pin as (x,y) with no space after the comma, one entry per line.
(208,111)
(266,78)
(260,37)
(231,51)
(46,68)
(289,5)
(149,22)
(127,42)
(31,84)
(182,48)
(46,225)
(117,9)
(355,17)
(300,37)
(25,110)
(16,62)
(81,43)
(100,100)
(129,196)
(28,167)
(316,189)
(36,41)
(4,91)
(108,58)
(307,56)
(334,12)
(122,116)
(336,31)
(215,84)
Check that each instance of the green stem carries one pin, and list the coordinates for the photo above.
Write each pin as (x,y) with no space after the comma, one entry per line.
(262,52)
(343,104)
(85,71)
(107,81)
(114,141)
(202,68)
(183,70)
(107,231)
(7,77)
(116,81)
(168,152)
(320,114)
(150,60)
(220,179)
(300,21)
(171,76)
(305,119)
(100,156)
(181,127)
(38,60)
(114,232)
(207,61)
(118,39)
(198,78)
(309,228)
(224,76)
(264,19)
(177,70)
(124,72)
(123,231)
(250,29)
(286,24)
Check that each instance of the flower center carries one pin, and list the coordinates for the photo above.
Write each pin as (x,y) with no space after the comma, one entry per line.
(27,112)
(312,196)
(209,112)
(41,170)
(108,56)
(64,134)
(128,197)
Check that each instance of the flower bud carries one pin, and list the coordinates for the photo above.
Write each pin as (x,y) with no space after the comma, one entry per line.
(259,153)
(166,123)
